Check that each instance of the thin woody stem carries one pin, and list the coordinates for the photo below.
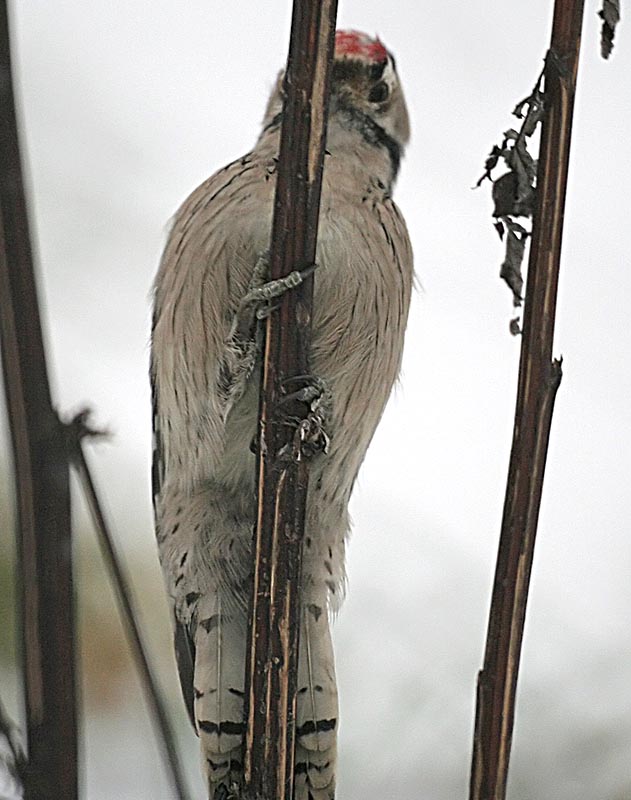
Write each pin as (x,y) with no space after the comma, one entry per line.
(539,378)
(44,551)
(282,477)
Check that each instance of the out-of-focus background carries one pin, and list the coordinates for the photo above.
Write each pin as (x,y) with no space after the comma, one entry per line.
(126,108)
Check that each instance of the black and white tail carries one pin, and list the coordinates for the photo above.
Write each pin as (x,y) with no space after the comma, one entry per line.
(218,692)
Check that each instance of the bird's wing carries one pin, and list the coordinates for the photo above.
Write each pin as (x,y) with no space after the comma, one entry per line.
(212,247)
(217,235)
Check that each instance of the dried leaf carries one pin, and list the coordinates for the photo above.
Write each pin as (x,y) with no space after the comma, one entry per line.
(490,164)
(514,326)
(514,191)
(518,111)
(511,267)
(525,164)
(504,193)
(535,111)
(513,195)
(522,165)
(610,15)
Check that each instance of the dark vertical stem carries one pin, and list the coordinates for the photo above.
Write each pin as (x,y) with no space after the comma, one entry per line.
(42,484)
(132,629)
(539,378)
(282,481)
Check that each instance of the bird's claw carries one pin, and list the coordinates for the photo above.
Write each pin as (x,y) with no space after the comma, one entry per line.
(224,792)
(310,436)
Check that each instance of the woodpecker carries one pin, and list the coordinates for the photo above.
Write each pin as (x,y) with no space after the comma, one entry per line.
(205,378)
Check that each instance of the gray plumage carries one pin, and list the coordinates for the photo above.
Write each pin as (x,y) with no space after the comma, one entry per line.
(205,382)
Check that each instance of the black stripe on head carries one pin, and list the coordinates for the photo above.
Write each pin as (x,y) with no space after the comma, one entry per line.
(374,134)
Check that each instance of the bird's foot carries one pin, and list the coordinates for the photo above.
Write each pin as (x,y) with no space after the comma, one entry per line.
(310,435)
(224,792)
(257,304)
(245,339)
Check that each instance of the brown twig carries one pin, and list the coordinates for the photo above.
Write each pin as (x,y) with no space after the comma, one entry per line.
(42,484)
(76,431)
(539,378)
(282,471)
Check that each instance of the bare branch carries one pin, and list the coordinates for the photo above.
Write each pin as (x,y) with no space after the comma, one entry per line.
(283,464)
(77,430)
(42,484)
(539,378)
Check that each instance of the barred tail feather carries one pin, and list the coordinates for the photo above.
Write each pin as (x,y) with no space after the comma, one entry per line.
(218,692)
(316,709)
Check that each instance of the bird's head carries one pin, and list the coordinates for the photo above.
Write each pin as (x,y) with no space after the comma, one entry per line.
(365,82)
(365,93)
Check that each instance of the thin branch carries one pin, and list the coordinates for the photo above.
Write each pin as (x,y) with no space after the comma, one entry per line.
(539,378)
(77,430)
(282,466)
(42,484)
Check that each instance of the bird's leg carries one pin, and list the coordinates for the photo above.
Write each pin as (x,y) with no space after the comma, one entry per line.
(244,341)
(311,435)
(256,303)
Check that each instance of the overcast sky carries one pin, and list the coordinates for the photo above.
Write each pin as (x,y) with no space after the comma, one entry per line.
(128,106)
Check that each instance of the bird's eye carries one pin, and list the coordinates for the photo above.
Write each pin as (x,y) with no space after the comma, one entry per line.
(379,92)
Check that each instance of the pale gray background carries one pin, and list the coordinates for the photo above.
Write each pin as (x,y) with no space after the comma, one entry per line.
(129,105)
